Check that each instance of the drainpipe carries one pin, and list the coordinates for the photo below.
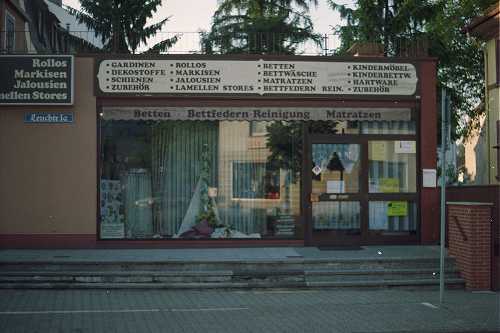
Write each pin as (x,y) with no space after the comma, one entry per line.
(486,106)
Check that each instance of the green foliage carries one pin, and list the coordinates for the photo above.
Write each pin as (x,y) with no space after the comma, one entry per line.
(121,25)
(205,177)
(261,26)
(210,216)
(377,22)
(207,209)
(460,64)
(452,175)
(285,144)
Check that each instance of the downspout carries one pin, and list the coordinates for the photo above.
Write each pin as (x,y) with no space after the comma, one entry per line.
(486,106)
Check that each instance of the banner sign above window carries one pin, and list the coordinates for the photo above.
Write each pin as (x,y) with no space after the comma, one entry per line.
(37,80)
(206,77)
(255,114)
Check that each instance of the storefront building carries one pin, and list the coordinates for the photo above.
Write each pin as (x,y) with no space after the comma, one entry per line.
(168,151)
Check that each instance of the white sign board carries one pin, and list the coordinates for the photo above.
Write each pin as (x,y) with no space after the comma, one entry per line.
(203,76)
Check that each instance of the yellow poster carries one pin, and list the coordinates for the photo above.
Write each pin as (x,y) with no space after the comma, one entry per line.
(379,150)
(397,208)
(388,185)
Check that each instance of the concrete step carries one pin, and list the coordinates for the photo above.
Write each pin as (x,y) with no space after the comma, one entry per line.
(408,273)
(248,265)
(432,284)
(222,276)
(228,279)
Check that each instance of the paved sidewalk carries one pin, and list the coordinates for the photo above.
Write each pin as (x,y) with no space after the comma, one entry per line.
(266,310)
(222,254)
(247,311)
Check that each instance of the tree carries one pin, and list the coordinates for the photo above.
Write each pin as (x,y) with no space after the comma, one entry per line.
(395,23)
(121,24)
(459,63)
(285,144)
(259,26)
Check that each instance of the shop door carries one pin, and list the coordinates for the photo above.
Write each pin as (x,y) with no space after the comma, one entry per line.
(335,212)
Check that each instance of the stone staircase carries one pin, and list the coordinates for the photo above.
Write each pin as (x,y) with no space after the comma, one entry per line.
(292,273)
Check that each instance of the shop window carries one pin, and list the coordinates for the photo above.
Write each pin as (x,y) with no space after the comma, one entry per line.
(159,179)
(393,218)
(388,127)
(392,166)
(363,127)
(256,181)
(336,218)
(258,128)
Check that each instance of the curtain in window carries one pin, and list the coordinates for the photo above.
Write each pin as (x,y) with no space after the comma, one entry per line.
(347,153)
(176,163)
(138,202)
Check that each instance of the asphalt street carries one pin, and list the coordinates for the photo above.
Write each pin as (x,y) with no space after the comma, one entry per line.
(247,311)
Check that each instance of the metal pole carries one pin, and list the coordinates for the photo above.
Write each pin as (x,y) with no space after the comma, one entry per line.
(443,193)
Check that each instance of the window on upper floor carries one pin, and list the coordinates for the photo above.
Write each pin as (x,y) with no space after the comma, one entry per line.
(54,38)
(41,24)
(497,53)
(10,27)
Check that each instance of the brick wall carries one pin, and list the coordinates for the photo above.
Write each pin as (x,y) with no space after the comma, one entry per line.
(473,255)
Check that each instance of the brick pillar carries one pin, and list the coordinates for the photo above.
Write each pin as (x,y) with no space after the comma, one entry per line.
(429,196)
(473,255)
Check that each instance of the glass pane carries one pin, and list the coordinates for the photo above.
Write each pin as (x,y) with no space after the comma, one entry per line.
(388,127)
(258,128)
(336,168)
(362,127)
(336,218)
(259,190)
(392,166)
(159,179)
(334,127)
(393,217)
(256,181)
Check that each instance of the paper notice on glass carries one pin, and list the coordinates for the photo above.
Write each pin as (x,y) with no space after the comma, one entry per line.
(373,186)
(335,186)
(388,185)
(378,215)
(397,208)
(402,147)
(379,151)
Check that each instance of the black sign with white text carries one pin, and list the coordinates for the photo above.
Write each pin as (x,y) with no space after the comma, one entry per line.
(36,80)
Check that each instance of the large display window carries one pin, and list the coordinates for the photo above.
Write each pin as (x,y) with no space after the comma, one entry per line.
(197,179)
